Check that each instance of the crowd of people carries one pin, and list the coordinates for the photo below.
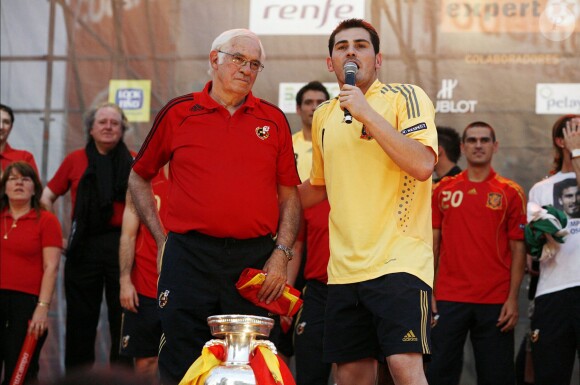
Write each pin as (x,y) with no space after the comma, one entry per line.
(401,254)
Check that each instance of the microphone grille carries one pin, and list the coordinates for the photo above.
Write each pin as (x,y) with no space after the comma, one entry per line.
(350,67)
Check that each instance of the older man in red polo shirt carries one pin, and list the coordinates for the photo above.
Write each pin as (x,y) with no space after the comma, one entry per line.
(232,199)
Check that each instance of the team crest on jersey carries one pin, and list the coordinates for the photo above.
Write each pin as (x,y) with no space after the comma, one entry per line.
(300,328)
(263,132)
(125,342)
(163,298)
(494,201)
(535,335)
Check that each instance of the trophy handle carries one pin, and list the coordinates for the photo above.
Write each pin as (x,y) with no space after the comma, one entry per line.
(267,344)
(215,342)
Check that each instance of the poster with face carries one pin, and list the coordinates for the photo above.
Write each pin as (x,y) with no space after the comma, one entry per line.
(567,197)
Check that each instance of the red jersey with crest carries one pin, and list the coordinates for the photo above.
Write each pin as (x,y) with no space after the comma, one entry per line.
(225,169)
(477,220)
(144,273)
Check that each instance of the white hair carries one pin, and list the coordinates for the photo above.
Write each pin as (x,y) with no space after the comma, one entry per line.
(226,37)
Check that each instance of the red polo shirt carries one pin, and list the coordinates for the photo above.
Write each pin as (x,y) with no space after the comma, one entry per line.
(21,259)
(12,155)
(224,168)
(68,177)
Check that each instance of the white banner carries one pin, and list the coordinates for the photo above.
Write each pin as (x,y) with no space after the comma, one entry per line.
(302,17)
(557,98)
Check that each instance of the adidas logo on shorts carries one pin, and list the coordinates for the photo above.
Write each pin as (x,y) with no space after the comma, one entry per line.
(410,336)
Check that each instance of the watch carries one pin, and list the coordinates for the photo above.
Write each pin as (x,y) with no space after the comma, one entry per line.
(287,251)
(575,153)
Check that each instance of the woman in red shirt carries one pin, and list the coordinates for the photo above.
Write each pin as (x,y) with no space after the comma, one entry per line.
(30,248)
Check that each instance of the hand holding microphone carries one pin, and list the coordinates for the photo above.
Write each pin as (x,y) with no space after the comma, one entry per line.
(350,70)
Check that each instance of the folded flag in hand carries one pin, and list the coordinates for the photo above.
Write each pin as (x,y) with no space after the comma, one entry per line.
(545,231)
(249,285)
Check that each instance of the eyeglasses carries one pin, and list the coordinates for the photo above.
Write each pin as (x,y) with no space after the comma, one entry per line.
(24,179)
(241,61)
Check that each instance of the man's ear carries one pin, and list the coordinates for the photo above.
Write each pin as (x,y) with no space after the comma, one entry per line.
(329,64)
(213,59)
(378,61)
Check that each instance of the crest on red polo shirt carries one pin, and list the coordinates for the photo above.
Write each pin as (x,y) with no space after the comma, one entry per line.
(494,201)
(263,132)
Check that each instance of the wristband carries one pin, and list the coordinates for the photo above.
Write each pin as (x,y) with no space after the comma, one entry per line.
(575,153)
(44,304)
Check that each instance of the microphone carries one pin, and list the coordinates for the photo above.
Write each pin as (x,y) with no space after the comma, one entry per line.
(350,70)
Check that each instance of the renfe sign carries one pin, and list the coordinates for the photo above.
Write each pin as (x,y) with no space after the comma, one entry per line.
(302,17)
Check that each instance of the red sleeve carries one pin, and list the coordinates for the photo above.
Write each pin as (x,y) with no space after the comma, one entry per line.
(30,159)
(60,182)
(156,149)
(436,214)
(50,230)
(516,213)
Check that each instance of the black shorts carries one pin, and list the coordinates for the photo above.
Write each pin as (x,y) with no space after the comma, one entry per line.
(141,332)
(197,280)
(377,318)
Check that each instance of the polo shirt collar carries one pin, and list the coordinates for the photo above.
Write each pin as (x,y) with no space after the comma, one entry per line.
(207,101)
(29,214)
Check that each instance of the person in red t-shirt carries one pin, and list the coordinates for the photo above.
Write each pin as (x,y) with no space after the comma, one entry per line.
(97,178)
(308,269)
(478,232)
(30,247)
(138,278)
(7,153)
(232,189)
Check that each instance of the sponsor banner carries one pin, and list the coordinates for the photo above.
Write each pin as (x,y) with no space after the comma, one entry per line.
(302,17)
(133,96)
(511,58)
(557,98)
(287,94)
(448,104)
(555,19)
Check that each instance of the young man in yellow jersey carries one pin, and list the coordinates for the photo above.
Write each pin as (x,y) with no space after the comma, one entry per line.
(376,173)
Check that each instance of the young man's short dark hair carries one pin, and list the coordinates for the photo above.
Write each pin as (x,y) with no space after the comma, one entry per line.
(449,139)
(311,86)
(478,124)
(355,23)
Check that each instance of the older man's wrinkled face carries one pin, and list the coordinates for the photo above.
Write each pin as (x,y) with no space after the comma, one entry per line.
(107,129)
(232,77)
